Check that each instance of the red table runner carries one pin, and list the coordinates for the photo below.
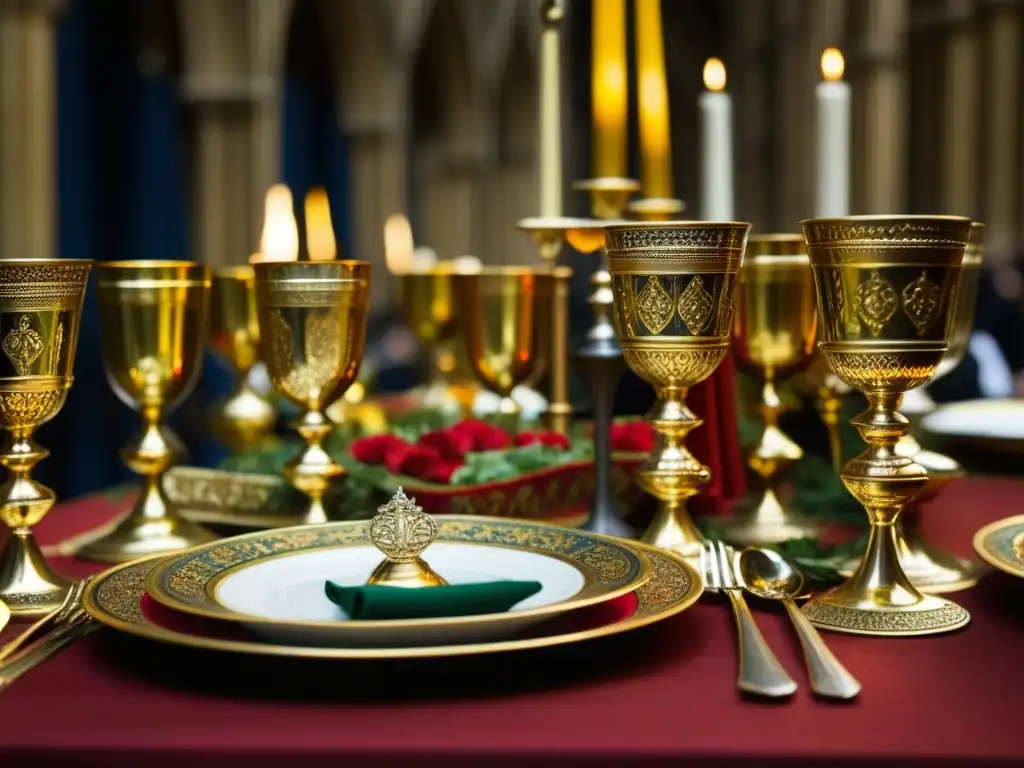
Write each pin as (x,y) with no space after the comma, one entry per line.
(657,696)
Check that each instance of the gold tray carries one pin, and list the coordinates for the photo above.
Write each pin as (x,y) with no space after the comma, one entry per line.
(233,499)
(113,598)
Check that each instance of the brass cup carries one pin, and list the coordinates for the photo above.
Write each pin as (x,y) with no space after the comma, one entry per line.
(246,418)
(674,294)
(503,311)
(312,333)
(40,312)
(153,322)
(773,337)
(886,290)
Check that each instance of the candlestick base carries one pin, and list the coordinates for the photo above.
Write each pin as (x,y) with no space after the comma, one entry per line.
(656,208)
(609,195)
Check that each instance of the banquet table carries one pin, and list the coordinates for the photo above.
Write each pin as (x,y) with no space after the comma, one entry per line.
(662,695)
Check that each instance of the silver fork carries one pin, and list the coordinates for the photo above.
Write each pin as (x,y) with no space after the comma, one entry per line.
(760,672)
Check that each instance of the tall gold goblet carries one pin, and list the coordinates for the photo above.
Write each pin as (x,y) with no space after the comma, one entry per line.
(247,417)
(504,314)
(675,291)
(40,311)
(153,321)
(312,334)
(426,304)
(886,291)
(773,338)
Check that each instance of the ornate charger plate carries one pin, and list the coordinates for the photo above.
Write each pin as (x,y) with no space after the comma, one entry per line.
(1001,545)
(993,424)
(272,582)
(115,599)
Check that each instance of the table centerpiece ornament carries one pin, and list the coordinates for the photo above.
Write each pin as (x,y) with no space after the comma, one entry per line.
(40,314)
(886,288)
(153,321)
(675,292)
(312,317)
(402,531)
(773,338)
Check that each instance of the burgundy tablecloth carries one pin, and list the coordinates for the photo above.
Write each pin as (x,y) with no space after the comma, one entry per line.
(659,696)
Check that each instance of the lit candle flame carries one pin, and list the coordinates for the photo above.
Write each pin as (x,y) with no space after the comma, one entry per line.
(714,75)
(832,64)
(280,238)
(320,240)
(398,244)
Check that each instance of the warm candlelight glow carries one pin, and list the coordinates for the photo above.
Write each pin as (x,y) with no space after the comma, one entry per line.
(424,258)
(832,64)
(714,75)
(280,238)
(466,265)
(652,102)
(585,239)
(610,87)
(320,240)
(398,244)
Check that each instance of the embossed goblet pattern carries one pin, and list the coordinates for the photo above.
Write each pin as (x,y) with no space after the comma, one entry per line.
(40,311)
(675,292)
(886,290)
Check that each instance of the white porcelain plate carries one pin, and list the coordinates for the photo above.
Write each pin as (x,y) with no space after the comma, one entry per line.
(997,423)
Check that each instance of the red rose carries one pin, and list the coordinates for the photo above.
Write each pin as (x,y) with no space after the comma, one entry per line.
(452,445)
(395,456)
(373,449)
(440,473)
(635,437)
(418,460)
(553,440)
(525,438)
(484,437)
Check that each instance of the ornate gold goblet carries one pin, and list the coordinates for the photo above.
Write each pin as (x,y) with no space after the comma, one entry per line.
(932,570)
(247,418)
(40,311)
(674,293)
(886,291)
(426,303)
(312,334)
(153,321)
(504,313)
(773,338)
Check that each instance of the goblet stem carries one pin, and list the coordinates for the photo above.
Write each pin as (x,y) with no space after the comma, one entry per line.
(28,585)
(313,470)
(247,417)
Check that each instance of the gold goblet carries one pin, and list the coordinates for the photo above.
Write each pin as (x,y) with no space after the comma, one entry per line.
(40,311)
(426,302)
(674,293)
(247,418)
(504,315)
(153,321)
(773,338)
(886,291)
(312,334)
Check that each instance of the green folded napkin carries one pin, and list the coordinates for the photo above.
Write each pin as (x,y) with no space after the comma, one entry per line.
(383,602)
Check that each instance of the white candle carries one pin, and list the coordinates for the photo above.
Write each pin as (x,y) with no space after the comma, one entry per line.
(833,102)
(716,145)
(550,172)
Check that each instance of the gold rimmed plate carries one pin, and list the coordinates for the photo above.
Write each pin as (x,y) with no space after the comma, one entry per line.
(272,583)
(118,599)
(994,425)
(1001,545)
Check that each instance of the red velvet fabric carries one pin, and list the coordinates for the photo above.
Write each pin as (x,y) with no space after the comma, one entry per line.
(662,696)
(714,442)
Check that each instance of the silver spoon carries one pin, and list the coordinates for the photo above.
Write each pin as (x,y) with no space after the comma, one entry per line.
(769,575)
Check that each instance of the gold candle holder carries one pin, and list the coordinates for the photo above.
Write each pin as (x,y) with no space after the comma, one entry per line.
(773,339)
(886,290)
(932,570)
(674,294)
(40,311)
(153,321)
(312,335)
(246,418)
(656,208)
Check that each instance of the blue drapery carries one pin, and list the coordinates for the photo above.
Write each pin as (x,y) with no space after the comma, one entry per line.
(122,195)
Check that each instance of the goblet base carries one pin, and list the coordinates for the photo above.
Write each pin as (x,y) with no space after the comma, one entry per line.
(765,519)
(851,611)
(672,529)
(28,585)
(151,528)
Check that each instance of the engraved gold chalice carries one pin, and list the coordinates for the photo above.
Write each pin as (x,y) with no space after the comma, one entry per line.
(153,322)
(674,294)
(886,290)
(504,313)
(40,312)
(931,570)
(773,337)
(312,334)
(246,418)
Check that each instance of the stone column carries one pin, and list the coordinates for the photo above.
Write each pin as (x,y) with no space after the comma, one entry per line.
(962,106)
(28,180)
